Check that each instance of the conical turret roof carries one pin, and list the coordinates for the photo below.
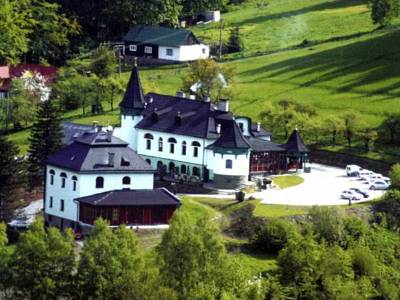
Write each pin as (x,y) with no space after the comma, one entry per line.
(295,143)
(133,98)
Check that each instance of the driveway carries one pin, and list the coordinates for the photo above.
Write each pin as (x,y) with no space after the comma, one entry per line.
(322,186)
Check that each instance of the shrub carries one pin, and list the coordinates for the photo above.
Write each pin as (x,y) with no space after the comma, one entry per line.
(327,223)
(274,236)
(389,209)
(394,175)
(243,223)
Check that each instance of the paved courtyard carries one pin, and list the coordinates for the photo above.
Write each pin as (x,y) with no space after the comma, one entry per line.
(322,186)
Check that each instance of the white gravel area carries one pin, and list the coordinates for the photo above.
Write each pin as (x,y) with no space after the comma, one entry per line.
(322,186)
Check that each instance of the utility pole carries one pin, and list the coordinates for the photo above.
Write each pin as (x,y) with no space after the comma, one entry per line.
(220,39)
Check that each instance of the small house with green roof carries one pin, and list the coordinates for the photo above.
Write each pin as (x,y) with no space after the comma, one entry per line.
(164,43)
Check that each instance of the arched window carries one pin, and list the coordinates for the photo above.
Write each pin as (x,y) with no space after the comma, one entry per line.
(148,138)
(52,173)
(172,143)
(63,179)
(160,144)
(196,171)
(74,180)
(183,148)
(99,182)
(126,180)
(183,169)
(196,146)
(228,164)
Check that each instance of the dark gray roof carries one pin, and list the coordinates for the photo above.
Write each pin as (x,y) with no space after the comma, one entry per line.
(164,36)
(260,133)
(295,143)
(127,197)
(133,97)
(259,145)
(72,130)
(231,135)
(181,116)
(91,153)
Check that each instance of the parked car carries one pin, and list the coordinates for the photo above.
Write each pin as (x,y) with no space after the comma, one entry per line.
(365,174)
(361,192)
(379,185)
(350,195)
(353,170)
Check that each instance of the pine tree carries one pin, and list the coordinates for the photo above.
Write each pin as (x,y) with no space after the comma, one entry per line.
(8,177)
(235,43)
(45,139)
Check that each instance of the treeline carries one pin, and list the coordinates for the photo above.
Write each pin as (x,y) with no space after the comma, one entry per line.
(348,128)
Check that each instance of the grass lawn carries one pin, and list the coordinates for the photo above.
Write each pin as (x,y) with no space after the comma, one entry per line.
(255,263)
(286,181)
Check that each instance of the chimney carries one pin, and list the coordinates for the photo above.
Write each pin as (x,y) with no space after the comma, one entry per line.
(111,159)
(258,127)
(150,100)
(180,94)
(218,129)
(206,99)
(192,97)
(223,105)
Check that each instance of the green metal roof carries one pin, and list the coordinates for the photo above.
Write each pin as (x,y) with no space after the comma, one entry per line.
(163,36)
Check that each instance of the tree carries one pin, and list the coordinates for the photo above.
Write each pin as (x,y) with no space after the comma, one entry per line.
(369,136)
(383,11)
(334,125)
(392,124)
(19,105)
(193,260)
(235,43)
(5,258)
(111,263)
(9,178)
(350,120)
(43,263)
(394,175)
(15,28)
(45,139)
(103,62)
(327,223)
(51,31)
(207,78)
(115,87)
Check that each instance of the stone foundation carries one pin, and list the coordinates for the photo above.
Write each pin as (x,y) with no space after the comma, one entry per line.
(228,182)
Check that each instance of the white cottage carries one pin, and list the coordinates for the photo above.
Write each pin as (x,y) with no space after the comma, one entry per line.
(164,43)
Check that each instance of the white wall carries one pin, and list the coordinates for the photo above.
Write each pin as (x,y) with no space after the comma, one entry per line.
(162,53)
(189,158)
(193,52)
(127,132)
(217,163)
(245,122)
(86,185)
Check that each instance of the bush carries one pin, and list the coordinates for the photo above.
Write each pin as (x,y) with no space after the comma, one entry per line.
(274,236)
(389,210)
(327,223)
(244,224)
(394,175)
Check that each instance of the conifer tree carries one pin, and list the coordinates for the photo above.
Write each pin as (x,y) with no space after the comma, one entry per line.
(235,43)
(8,177)
(45,139)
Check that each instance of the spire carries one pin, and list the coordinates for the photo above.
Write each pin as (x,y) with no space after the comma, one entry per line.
(133,98)
(295,143)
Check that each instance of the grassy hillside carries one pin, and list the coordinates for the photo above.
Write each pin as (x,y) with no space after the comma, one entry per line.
(285,23)
(359,73)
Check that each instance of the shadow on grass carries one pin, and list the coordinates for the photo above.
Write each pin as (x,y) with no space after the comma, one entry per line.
(334,4)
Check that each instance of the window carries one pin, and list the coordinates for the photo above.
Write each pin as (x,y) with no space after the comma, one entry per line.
(169,51)
(172,143)
(183,169)
(203,50)
(196,171)
(52,173)
(51,202)
(196,146)
(126,180)
(115,214)
(99,182)
(148,138)
(228,164)
(241,127)
(63,179)
(132,47)
(62,205)
(148,50)
(160,144)
(74,180)
(183,148)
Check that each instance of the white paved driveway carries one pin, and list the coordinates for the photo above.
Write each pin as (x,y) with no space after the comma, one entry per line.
(322,186)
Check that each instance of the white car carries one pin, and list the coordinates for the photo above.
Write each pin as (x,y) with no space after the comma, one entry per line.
(353,170)
(377,177)
(379,185)
(350,195)
(365,174)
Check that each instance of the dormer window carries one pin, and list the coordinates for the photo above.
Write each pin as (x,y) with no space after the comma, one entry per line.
(126,180)
(124,162)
